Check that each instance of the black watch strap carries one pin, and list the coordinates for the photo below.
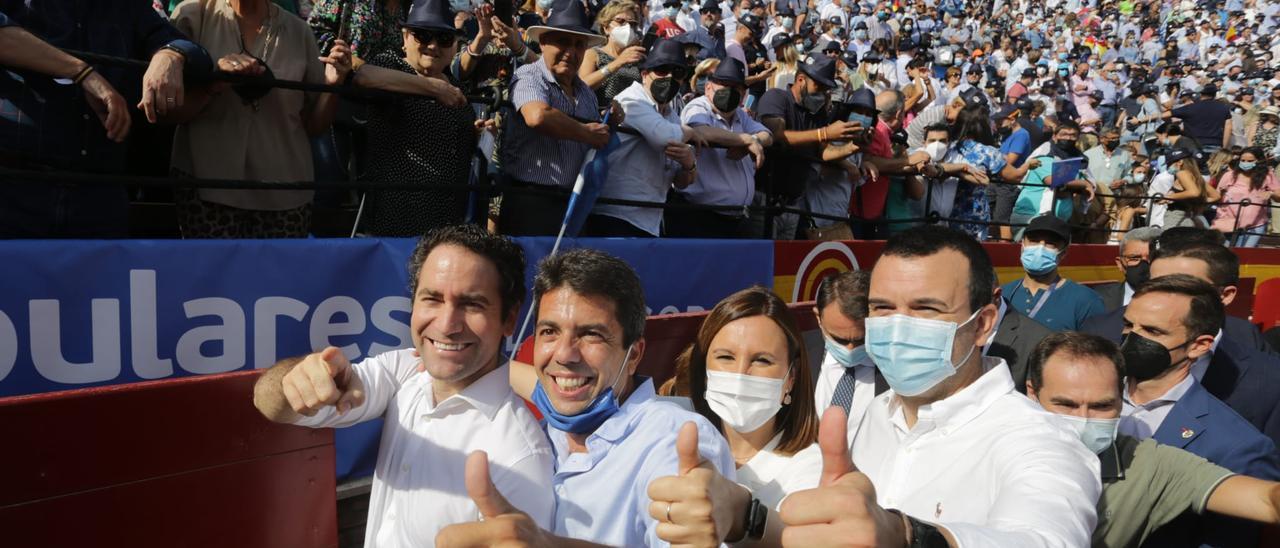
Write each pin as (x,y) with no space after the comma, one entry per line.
(925,535)
(757,515)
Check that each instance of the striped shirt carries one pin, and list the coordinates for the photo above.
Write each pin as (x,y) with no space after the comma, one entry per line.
(936,114)
(535,158)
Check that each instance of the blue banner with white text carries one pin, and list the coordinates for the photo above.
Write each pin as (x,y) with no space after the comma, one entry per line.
(75,314)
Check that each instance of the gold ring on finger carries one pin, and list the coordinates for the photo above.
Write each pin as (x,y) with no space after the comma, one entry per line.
(668,512)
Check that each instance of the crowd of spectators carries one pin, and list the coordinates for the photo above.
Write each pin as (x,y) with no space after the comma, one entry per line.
(850,119)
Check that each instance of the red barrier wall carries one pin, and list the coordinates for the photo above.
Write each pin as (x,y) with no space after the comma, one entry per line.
(185,462)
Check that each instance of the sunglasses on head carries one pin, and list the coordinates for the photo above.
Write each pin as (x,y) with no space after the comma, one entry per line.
(439,37)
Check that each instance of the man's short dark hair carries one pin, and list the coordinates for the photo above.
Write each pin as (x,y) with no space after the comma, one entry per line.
(598,274)
(1223,265)
(1189,235)
(937,127)
(926,240)
(1076,345)
(507,257)
(1067,124)
(1207,312)
(848,290)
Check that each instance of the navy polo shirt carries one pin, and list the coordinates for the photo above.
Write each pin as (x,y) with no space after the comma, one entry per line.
(1064,310)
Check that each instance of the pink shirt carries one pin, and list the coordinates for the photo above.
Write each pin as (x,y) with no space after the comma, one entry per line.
(1237,189)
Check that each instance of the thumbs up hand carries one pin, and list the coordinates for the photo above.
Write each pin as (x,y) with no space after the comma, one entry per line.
(501,524)
(843,508)
(698,507)
(321,379)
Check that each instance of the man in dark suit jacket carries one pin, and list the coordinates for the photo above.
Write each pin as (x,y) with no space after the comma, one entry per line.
(1243,372)
(1016,336)
(1172,324)
(1134,261)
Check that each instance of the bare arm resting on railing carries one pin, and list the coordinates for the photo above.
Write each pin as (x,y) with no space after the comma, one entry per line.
(20,49)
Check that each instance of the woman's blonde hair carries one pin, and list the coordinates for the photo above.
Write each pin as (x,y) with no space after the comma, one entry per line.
(1219,163)
(612,9)
(704,68)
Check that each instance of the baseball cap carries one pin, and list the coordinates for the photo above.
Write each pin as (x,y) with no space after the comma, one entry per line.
(1051,224)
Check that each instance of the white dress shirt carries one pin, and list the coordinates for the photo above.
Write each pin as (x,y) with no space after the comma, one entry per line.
(987,463)
(1143,420)
(771,476)
(864,389)
(418,485)
(639,169)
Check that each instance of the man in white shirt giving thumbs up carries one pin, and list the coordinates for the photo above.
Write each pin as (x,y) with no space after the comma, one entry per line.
(952,449)
(467,287)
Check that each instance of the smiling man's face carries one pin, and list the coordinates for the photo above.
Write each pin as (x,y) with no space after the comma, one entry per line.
(579,350)
(458,320)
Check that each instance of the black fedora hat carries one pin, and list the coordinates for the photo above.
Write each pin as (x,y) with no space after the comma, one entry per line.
(430,15)
(667,52)
(730,71)
(569,16)
(821,69)
(864,98)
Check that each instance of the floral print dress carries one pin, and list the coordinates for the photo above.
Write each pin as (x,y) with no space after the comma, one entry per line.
(971,199)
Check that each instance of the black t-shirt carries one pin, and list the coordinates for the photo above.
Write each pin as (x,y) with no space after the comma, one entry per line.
(1203,120)
(754,53)
(791,164)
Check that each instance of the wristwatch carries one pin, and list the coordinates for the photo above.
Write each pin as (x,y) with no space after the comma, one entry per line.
(921,534)
(753,524)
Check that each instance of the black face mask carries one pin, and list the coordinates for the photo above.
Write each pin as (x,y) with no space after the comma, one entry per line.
(1111,145)
(1066,149)
(1138,274)
(812,102)
(726,99)
(664,90)
(1145,359)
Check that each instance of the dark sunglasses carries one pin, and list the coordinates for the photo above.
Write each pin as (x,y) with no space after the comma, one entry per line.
(441,38)
(673,71)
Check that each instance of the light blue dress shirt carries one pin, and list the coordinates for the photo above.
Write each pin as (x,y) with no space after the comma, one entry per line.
(721,181)
(639,168)
(602,495)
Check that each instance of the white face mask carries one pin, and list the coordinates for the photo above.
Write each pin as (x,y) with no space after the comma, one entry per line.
(744,402)
(937,150)
(623,35)
(1097,434)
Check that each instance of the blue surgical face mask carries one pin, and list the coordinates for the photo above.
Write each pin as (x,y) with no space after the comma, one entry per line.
(1247,166)
(546,4)
(1039,259)
(1097,434)
(841,353)
(913,354)
(788,22)
(586,421)
(866,121)
(671,11)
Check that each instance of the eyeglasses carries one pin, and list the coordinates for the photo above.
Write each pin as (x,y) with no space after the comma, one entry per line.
(1131,260)
(444,39)
(674,71)
(625,21)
